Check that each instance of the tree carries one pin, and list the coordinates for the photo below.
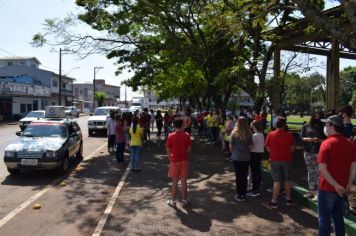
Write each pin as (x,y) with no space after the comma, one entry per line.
(347,85)
(100,97)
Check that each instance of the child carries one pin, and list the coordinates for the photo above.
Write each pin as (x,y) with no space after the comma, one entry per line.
(178,147)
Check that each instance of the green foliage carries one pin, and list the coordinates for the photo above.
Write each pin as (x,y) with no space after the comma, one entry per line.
(100,97)
(347,86)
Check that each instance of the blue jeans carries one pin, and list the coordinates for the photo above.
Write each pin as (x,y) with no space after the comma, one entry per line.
(330,204)
(120,148)
(135,157)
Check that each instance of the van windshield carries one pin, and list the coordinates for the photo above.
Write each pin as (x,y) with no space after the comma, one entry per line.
(101,111)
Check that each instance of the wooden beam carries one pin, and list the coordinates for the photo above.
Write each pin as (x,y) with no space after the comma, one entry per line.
(320,51)
(333,79)
(277,80)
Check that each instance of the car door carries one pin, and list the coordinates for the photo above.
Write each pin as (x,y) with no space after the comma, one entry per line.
(73,139)
(79,137)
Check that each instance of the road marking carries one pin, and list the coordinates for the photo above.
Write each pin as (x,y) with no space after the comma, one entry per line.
(112,201)
(34,197)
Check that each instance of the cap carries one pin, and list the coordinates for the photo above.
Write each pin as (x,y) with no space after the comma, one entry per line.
(334,120)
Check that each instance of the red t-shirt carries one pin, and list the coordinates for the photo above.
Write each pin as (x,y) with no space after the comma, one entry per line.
(280,143)
(337,153)
(178,142)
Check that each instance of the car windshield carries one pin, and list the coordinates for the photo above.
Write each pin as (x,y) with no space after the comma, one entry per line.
(101,111)
(136,104)
(37,114)
(45,130)
(69,108)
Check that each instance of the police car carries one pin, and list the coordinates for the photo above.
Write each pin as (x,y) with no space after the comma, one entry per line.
(50,143)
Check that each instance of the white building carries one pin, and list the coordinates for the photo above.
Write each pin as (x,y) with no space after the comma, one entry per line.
(24,87)
(83,94)
(154,103)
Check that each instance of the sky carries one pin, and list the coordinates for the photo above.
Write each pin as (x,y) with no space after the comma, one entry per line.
(21,19)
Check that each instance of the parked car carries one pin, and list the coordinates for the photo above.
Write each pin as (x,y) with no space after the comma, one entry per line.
(97,121)
(49,143)
(72,111)
(33,115)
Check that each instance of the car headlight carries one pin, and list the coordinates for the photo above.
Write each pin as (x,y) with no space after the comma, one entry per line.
(50,153)
(10,154)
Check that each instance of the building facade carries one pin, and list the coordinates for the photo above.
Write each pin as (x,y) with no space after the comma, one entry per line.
(83,94)
(24,87)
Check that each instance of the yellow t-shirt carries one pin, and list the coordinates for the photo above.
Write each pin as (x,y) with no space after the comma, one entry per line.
(136,138)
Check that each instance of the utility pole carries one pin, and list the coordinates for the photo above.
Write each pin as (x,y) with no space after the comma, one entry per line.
(96,68)
(60,78)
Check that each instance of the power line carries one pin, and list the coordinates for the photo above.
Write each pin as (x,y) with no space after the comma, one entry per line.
(19,18)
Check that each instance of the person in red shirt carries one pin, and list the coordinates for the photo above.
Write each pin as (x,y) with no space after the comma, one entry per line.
(337,167)
(178,147)
(280,145)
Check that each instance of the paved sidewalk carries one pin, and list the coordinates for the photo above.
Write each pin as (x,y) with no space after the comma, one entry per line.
(141,206)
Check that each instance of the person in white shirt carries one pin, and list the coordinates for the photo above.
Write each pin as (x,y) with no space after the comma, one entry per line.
(111,128)
(152,119)
(257,151)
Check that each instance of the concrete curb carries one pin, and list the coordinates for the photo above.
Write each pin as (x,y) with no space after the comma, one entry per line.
(297,195)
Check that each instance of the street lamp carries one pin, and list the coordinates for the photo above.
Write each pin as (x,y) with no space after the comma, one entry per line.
(96,69)
(66,74)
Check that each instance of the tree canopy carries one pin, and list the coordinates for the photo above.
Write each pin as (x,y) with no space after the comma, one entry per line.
(201,51)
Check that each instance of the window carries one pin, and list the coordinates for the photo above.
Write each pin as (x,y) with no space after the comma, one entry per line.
(76,92)
(22,108)
(85,92)
(55,83)
(29,107)
(35,105)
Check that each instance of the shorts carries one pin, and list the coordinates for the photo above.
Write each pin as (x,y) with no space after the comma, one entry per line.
(178,169)
(280,171)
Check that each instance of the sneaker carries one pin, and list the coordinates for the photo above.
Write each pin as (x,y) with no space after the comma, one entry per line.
(171,203)
(273,205)
(254,193)
(185,202)
(288,202)
(240,198)
(315,198)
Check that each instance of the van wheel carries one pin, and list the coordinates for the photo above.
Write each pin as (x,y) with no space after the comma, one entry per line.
(13,171)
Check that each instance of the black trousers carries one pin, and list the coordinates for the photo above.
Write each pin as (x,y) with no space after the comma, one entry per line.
(255,166)
(241,172)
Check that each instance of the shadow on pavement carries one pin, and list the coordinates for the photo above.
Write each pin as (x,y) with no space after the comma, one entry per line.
(141,207)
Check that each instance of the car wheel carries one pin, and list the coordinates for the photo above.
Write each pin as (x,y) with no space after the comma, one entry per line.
(79,154)
(13,171)
(78,115)
(65,165)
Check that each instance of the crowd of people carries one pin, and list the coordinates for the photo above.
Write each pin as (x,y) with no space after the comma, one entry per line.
(329,148)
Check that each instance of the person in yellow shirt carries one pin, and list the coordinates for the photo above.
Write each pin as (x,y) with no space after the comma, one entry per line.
(136,134)
(209,124)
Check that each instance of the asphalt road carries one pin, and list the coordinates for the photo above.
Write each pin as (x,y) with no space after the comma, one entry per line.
(72,208)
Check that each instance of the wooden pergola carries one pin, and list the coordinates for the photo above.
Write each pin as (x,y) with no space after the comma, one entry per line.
(314,43)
